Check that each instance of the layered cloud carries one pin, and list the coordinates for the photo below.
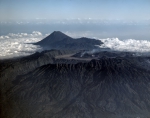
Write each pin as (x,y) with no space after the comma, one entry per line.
(14,45)
(130,45)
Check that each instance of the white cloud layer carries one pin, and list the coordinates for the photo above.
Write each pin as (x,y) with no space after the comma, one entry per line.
(130,45)
(14,45)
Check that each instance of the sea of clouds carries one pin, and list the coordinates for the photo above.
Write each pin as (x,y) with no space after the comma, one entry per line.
(129,45)
(15,45)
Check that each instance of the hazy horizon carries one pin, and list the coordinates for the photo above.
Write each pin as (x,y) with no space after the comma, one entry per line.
(25,21)
(74,9)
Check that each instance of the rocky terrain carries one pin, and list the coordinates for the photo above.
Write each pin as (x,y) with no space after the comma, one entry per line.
(75,84)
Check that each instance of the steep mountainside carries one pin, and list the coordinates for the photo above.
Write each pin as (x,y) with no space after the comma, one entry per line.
(10,68)
(104,88)
(77,81)
(58,40)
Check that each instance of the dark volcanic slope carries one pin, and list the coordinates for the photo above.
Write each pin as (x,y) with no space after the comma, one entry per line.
(10,68)
(52,38)
(66,84)
(105,88)
(58,40)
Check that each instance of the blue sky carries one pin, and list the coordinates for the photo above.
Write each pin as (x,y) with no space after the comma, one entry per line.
(68,9)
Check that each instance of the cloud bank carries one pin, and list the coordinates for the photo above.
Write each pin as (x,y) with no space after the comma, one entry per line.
(15,45)
(129,45)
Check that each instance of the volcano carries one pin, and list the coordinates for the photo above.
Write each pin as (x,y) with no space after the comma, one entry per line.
(58,40)
(60,83)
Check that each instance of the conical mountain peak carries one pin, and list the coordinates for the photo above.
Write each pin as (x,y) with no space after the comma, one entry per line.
(53,37)
(59,40)
(57,32)
(57,35)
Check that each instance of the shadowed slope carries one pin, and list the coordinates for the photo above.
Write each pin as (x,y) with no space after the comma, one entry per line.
(107,88)
(52,38)
(58,40)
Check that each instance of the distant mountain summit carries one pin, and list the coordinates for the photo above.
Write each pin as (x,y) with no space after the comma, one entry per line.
(59,40)
(53,37)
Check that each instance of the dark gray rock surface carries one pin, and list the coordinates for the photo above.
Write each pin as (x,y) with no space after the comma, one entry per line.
(105,88)
(64,84)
